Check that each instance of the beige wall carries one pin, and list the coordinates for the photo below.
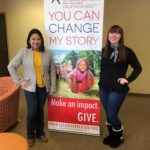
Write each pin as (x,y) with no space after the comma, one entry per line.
(132,15)
(21,16)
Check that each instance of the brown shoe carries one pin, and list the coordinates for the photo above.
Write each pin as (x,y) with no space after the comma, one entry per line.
(43,138)
(30,142)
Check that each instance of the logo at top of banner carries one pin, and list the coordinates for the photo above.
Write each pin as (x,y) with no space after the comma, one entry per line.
(58,1)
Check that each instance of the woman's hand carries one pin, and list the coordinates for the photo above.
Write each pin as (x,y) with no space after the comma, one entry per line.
(122,81)
(25,83)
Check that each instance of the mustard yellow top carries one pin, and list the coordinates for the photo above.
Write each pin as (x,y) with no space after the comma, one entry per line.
(38,69)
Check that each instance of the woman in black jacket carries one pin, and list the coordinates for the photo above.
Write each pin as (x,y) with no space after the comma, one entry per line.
(116,58)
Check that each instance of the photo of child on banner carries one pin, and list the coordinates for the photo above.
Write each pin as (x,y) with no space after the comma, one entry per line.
(80,79)
(77,73)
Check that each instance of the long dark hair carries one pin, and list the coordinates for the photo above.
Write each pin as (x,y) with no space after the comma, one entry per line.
(33,31)
(121,47)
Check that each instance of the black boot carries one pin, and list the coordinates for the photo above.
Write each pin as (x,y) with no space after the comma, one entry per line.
(117,138)
(108,139)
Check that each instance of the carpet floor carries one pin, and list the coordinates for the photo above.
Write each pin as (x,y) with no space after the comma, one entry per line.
(135,117)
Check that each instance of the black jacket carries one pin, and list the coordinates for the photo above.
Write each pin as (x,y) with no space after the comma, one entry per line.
(110,71)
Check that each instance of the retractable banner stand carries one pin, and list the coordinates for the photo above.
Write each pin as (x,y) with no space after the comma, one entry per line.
(74,37)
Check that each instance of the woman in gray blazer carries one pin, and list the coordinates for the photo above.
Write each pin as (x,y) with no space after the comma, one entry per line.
(39,80)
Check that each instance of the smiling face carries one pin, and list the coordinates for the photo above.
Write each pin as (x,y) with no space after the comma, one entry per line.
(114,38)
(82,66)
(35,41)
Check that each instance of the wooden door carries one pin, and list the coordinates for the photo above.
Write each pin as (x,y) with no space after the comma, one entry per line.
(3,47)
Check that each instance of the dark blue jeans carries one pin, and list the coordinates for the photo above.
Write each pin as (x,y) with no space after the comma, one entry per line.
(35,113)
(112,102)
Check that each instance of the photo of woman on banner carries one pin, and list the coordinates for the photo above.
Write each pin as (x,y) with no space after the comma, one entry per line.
(80,79)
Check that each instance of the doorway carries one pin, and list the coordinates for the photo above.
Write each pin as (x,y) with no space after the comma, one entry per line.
(3,47)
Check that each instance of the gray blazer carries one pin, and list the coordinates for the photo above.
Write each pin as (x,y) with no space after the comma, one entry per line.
(25,57)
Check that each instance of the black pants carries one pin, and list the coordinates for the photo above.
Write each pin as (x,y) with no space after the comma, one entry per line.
(35,113)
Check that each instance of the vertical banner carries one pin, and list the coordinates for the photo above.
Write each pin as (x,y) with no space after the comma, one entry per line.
(74,37)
